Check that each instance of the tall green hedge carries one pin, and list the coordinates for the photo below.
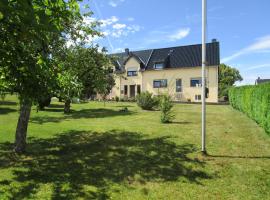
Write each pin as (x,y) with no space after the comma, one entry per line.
(254,101)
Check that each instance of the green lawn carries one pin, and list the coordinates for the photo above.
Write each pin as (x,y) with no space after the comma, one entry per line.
(98,152)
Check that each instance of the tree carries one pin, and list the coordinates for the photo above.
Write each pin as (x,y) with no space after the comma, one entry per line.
(32,32)
(227,78)
(70,87)
(94,69)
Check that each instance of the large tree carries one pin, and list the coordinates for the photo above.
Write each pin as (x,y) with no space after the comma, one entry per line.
(85,72)
(32,32)
(227,78)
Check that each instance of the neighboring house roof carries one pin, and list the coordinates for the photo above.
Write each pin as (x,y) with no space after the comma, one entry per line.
(172,57)
(261,81)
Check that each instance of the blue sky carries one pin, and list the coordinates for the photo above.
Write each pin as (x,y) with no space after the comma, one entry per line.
(242,27)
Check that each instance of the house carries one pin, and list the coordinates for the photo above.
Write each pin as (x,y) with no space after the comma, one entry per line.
(174,70)
(261,81)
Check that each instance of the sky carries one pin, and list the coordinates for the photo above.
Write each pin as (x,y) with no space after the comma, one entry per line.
(241,26)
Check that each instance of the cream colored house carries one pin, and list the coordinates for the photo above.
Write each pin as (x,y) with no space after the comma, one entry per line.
(175,71)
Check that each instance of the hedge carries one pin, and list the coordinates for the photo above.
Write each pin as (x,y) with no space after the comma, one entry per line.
(253,101)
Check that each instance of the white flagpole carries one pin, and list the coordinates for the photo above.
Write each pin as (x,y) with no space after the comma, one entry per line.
(204,16)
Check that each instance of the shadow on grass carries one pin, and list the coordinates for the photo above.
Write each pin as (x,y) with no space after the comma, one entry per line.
(239,157)
(61,106)
(8,103)
(85,113)
(184,122)
(121,106)
(4,111)
(88,164)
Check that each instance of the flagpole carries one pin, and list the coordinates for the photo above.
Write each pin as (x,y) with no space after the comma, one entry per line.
(204,16)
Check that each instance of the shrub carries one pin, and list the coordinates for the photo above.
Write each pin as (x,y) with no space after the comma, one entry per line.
(44,102)
(146,101)
(253,101)
(116,98)
(165,106)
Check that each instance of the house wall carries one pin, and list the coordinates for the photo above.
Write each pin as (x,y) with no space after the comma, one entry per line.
(123,79)
(146,78)
(185,74)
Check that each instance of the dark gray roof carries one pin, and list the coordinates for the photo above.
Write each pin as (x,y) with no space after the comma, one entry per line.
(174,57)
(261,81)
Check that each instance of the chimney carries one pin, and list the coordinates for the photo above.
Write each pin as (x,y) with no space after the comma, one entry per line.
(214,40)
(127,51)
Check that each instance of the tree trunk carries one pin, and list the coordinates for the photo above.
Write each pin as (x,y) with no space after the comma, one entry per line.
(21,131)
(67,106)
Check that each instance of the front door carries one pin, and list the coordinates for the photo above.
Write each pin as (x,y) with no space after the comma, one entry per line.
(132,91)
(138,89)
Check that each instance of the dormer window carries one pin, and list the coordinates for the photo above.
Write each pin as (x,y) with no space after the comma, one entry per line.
(159,65)
(132,73)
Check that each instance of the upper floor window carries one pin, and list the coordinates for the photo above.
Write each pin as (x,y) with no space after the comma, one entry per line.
(196,82)
(160,83)
(159,65)
(132,73)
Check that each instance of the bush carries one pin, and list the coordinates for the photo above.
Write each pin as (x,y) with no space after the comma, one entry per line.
(147,101)
(117,99)
(165,106)
(253,101)
(44,102)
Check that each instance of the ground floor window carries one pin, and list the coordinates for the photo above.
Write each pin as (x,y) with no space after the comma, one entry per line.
(198,97)
(178,85)
(125,90)
(160,83)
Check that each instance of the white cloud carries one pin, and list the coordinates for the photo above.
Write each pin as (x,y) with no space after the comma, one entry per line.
(179,34)
(119,30)
(89,20)
(115,3)
(261,44)
(119,26)
(109,21)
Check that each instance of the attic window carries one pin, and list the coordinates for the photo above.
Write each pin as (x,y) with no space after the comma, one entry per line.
(159,65)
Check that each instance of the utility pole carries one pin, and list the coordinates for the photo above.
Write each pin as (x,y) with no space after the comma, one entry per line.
(204,16)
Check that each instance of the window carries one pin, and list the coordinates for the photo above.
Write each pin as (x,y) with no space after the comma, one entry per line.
(160,83)
(195,82)
(159,65)
(198,97)
(132,73)
(125,90)
(178,85)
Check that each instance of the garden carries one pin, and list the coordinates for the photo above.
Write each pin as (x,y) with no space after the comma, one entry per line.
(103,152)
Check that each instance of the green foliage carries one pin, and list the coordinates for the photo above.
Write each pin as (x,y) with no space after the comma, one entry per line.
(31,32)
(147,101)
(165,106)
(254,101)
(69,85)
(91,66)
(227,77)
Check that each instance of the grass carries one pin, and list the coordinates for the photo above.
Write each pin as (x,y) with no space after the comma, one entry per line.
(99,152)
